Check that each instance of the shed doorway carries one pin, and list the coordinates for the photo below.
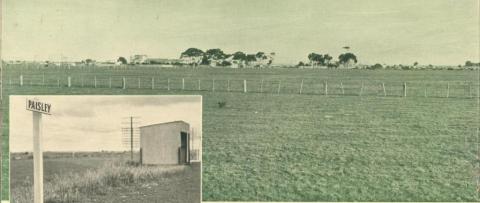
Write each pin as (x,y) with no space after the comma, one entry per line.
(184,149)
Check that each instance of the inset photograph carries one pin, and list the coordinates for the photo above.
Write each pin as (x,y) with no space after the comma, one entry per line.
(105,148)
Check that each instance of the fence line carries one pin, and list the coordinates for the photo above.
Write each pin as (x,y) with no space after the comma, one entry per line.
(301,86)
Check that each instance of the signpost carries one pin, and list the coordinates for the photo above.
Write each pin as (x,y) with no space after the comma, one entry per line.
(38,108)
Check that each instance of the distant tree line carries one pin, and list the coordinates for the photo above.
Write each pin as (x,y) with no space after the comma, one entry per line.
(315,59)
(219,58)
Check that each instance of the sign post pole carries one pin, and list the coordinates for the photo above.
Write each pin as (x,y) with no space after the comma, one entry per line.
(38,108)
(37,158)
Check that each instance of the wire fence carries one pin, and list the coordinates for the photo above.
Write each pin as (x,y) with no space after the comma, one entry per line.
(455,89)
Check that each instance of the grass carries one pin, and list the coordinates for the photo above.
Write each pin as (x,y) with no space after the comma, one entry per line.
(81,186)
(310,147)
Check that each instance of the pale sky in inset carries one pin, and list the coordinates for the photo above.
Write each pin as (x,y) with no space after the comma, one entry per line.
(94,123)
(383,31)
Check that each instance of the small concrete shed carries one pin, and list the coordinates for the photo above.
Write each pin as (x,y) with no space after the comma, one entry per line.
(165,143)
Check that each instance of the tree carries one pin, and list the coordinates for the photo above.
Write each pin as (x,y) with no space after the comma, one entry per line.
(192,52)
(312,57)
(226,63)
(327,59)
(205,60)
(239,56)
(122,60)
(415,64)
(250,58)
(323,60)
(468,63)
(347,58)
(261,55)
(215,54)
(89,62)
(375,67)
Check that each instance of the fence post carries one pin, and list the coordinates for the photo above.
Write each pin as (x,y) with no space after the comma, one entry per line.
(213,85)
(21,80)
(199,84)
(341,86)
(384,91)
(110,82)
(153,83)
(69,81)
(183,83)
(124,83)
(95,81)
(228,85)
(245,86)
(301,87)
(58,82)
(448,89)
(168,84)
(43,79)
(425,91)
(361,89)
(405,89)
(279,85)
(261,87)
(469,90)
(326,87)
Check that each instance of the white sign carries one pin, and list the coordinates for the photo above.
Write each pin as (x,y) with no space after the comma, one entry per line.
(38,106)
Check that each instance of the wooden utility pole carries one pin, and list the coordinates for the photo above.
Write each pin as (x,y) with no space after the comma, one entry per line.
(131,138)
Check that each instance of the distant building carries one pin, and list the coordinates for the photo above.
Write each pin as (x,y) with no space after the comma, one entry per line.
(138,59)
(235,63)
(191,60)
(165,143)
(262,61)
(162,61)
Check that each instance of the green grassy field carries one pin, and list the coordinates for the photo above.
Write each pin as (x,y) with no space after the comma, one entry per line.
(311,147)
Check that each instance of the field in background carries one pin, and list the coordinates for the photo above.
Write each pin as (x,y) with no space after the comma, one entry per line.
(424,83)
(104,177)
(306,147)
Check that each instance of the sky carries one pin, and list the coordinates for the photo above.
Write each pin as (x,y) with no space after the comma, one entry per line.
(439,32)
(94,123)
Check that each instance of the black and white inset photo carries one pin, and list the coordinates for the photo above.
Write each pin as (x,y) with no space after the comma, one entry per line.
(105,148)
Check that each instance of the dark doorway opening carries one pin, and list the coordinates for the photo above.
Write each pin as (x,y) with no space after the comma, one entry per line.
(184,151)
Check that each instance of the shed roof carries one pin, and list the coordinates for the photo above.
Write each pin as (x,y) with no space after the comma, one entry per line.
(166,123)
